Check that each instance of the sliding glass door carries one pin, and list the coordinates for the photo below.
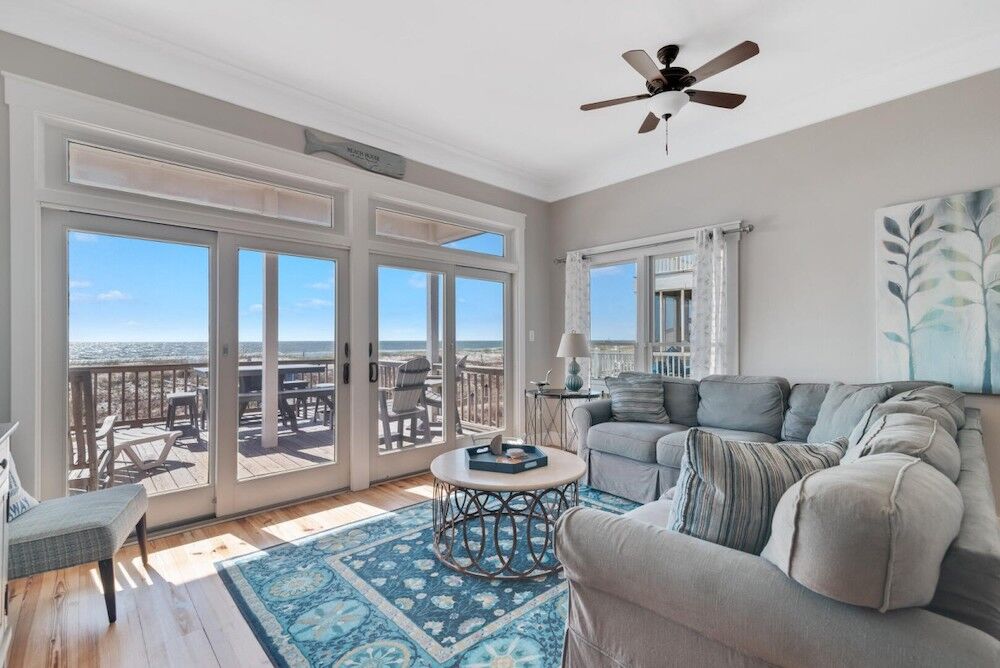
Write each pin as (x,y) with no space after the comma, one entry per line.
(206,367)
(285,330)
(132,307)
(438,370)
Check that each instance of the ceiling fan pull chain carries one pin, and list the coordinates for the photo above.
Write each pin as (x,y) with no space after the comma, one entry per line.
(666,136)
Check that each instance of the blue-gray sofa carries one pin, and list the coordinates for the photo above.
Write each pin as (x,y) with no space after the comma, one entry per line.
(641,595)
(641,460)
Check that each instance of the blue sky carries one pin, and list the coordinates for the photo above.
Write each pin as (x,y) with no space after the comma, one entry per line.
(613,303)
(402,309)
(124,289)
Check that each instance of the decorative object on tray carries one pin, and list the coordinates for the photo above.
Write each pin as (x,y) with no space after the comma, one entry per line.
(937,307)
(542,384)
(512,458)
(573,345)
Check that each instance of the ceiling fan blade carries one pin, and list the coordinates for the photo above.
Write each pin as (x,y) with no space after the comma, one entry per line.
(610,103)
(734,56)
(714,99)
(644,65)
(650,123)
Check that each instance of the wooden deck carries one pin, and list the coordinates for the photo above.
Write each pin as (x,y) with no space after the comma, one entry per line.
(188,462)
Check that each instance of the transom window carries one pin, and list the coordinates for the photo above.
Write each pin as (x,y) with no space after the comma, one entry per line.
(409,227)
(126,172)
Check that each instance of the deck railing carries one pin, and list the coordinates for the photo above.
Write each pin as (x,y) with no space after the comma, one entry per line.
(480,391)
(673,363)
(137,393)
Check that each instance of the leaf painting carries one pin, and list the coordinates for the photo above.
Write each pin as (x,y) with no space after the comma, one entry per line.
(938,290)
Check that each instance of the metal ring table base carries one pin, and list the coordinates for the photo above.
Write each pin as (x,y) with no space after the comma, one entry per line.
(469,523)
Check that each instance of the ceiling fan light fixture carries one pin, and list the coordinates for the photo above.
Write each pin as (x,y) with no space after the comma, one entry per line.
(667,103)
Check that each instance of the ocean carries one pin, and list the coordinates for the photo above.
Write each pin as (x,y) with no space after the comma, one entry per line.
(83,353)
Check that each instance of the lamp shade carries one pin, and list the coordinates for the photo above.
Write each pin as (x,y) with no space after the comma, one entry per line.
(573,344)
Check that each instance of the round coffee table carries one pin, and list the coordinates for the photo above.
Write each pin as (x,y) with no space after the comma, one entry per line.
(501,525)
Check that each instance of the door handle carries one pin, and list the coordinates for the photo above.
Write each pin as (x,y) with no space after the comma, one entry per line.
(373,372)
(347,364)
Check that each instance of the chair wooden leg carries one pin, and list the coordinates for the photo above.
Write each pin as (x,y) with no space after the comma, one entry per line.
(140,536)
(107,568)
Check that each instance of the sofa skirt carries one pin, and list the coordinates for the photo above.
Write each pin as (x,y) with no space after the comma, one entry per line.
(637,481)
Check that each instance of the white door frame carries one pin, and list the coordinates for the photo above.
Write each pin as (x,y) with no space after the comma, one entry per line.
(43,117)
(168,508)
(235,495)
(412,460)
(416,459)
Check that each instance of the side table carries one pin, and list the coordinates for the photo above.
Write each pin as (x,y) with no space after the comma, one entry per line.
(547,416)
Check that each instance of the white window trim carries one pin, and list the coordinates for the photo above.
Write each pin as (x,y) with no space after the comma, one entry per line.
(644,252)
(43,115)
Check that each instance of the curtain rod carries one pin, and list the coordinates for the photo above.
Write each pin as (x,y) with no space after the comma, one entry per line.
(746,229)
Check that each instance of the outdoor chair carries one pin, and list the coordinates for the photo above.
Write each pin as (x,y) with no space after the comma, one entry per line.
(436,400)
(407,401)
(97,448)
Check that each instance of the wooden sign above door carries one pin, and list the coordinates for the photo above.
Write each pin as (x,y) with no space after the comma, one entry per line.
(364,156)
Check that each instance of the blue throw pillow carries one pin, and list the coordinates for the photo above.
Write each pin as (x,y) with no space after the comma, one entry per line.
(637,399)
(20,501)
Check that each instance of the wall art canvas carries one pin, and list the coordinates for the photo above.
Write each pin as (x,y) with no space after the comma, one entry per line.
(938,291)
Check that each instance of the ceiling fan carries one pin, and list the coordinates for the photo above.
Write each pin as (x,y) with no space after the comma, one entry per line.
(667,85)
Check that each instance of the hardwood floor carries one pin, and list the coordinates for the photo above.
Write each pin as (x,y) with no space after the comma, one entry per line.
(176,612)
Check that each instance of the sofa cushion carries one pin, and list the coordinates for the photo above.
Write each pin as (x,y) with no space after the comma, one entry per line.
(727,490)
(915,435)
(635,440)
(843,407)
(751,403)
(969,587)
(803,407)
(680,396)
(670,448)
(909,407)
(74,530)
(658,513)
(870,533)
(637,399)
(947,398)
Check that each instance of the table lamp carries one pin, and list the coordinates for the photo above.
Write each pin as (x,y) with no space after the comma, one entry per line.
(573,345)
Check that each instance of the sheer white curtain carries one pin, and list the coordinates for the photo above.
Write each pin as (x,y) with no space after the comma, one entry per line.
(710,305)
(577,317)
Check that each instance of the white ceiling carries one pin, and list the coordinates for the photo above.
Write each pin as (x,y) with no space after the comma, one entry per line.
(492,90)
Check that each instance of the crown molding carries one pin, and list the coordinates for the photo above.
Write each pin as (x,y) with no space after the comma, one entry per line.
(81,32)
(72,29)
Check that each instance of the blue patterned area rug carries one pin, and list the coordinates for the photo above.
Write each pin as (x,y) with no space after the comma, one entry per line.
(373,593)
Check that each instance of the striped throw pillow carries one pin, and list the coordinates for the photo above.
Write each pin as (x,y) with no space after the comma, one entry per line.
(728,490)
(637,399)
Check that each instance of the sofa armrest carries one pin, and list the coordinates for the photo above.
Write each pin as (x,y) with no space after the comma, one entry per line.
(586,416)
(743,602)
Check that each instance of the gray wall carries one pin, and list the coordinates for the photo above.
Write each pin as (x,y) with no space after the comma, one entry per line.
(807,294)
(44,63)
